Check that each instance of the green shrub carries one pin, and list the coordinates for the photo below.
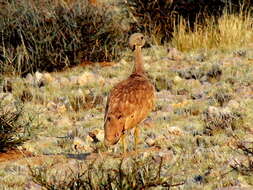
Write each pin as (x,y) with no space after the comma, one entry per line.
(48,35)
(13,131)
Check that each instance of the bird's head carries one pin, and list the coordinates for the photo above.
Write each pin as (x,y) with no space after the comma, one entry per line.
(113,129)
(136,39)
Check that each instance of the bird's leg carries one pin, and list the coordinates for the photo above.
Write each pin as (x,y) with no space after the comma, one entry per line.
(136,137)
(123,142)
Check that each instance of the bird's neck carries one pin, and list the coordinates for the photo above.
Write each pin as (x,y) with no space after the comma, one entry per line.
(138,63)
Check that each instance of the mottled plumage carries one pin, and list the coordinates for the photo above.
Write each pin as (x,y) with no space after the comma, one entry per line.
(130,101)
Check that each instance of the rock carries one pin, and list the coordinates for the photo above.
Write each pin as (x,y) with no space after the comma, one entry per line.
(63,81)
(150,141)
(38,78)
(30,79)
(163,155)
(149,122)
(167,155)
(51,106)
(73,79)
(230,61)
(175,55)
(32,186)
(197,94)
(80,145)
(90,139)
(174,130)
(177,79)
(97,135)
(56,107)
(233,104)
(62,122)
(86,78)
(47,78)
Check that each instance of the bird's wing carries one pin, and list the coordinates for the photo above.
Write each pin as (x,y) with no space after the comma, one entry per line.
(130,100)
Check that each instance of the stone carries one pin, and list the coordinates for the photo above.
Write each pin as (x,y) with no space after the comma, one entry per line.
(86,78)
(32,186)
(80,145)
(150,141)
(177,79)
(148,122)
(174,130)
(233,104)
(63,81)
(47,78)
(29,79)
(97,135)
(175,55)
(38,79)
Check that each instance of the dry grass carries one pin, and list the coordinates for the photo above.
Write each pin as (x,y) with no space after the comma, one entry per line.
(229,32)
(71,104)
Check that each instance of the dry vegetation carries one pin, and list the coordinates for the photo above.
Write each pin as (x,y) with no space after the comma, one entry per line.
(198,137)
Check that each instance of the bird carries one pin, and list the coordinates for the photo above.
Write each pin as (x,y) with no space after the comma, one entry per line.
(130,101)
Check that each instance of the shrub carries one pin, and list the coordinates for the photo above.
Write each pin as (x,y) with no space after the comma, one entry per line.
(48,35)
(13,131)
(158,17)
(216,119)
(133,173)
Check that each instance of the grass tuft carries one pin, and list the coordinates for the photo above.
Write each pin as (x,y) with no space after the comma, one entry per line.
(229,32)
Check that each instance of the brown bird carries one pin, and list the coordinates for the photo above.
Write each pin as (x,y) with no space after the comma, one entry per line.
(130,101)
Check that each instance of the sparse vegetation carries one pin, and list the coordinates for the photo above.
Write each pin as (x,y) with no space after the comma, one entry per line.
(51,35)
(13,131)
(198,137)
(136,173)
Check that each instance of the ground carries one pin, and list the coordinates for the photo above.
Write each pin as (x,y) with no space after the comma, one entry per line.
(203,113)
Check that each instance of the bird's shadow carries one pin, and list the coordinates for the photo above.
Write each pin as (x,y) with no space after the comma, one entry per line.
(81,156)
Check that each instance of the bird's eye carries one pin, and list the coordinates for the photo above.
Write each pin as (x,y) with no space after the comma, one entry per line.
(142,38)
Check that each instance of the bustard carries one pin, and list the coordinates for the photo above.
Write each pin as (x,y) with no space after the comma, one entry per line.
(130,101)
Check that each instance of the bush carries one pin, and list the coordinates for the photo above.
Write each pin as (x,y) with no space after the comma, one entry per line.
(159,17)
(217,119)
(48,35)
(13,131)
(132,173)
